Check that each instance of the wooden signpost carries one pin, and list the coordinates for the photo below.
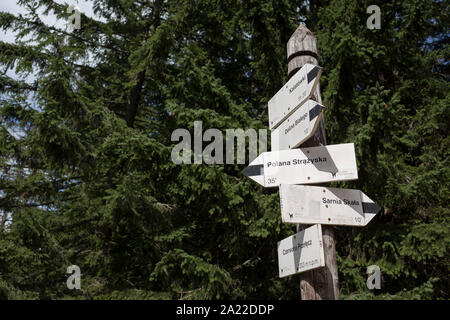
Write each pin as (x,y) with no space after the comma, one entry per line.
(295,118)
(321,283)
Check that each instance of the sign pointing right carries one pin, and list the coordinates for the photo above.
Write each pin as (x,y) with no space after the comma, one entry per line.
(293,94)
(298,127)
(311,205)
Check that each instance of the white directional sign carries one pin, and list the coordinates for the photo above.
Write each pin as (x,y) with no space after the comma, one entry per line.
(293,94)
(308,205)
(298,127)
(301,252)
(304,166)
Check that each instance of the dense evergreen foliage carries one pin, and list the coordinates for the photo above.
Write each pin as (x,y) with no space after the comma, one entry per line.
(86,175)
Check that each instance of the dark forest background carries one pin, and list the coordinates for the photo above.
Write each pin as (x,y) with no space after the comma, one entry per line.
(87,177)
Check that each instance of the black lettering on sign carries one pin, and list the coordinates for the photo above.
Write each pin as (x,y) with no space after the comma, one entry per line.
(296,85)
(331,201)
(351,202)
(339,201)
(278,163)
(306,161)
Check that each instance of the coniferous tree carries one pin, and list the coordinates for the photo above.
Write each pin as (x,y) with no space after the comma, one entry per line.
(86,175)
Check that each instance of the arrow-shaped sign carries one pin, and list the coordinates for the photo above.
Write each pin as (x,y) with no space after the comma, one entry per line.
(293,94)
(304,166)
(298,127)
(301,252)
(309,205)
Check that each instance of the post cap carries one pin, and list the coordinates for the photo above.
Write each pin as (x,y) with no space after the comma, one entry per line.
(301,40)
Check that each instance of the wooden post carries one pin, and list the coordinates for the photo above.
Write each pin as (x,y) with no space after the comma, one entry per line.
(322,283)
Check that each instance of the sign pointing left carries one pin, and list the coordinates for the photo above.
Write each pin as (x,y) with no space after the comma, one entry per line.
(304,166)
